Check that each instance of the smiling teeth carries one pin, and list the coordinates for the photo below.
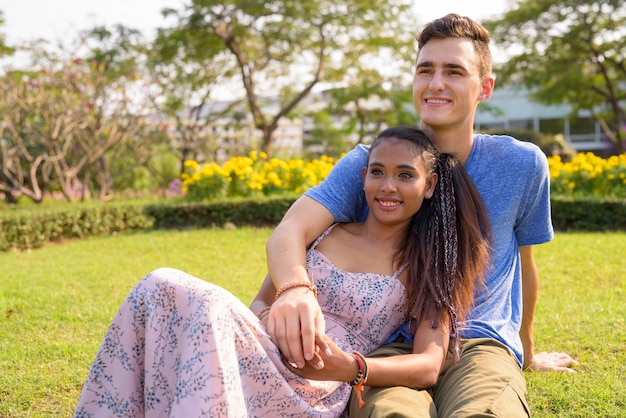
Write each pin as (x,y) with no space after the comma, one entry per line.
(437,101)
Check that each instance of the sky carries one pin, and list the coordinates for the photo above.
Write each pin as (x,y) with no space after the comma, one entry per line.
(55,20)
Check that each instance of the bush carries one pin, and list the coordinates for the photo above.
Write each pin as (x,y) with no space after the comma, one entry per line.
(254,175)
(588,214)
(588,193)
(588,175)
(32,231)
(256,212)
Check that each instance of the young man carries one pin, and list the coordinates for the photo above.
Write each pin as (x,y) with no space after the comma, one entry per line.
(452,76)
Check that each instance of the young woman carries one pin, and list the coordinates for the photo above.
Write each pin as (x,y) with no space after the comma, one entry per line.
(180,346)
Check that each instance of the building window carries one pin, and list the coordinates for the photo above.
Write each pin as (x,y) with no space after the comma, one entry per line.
(582,126)
(552,126)
(521,124)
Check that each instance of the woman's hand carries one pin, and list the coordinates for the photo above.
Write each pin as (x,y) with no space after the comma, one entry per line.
(295,323)
(338,366)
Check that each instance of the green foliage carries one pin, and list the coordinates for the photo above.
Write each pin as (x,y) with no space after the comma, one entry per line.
(256,212)
(568,52)
(287,47)
(325,137)
(588,214)
(4,48)
(358,112)
(29,232)
(34,229)
(117,49)
(160,167)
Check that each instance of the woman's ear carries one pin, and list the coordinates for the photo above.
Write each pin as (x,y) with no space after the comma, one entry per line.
(364,173)
(430,185)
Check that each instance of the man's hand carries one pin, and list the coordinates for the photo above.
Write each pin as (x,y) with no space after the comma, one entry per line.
(294,323)
(338,365)
(557,362)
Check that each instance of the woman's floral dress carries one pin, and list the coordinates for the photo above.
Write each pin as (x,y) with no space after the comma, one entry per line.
(182,347)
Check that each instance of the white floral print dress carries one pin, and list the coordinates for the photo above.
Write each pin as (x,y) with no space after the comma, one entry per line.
(182,347)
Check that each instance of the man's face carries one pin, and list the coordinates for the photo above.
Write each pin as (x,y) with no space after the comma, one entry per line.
(447,85)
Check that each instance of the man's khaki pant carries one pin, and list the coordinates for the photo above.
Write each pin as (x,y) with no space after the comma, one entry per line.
(486,382)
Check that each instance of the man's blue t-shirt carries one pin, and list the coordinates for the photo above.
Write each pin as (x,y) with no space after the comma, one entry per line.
(513,179)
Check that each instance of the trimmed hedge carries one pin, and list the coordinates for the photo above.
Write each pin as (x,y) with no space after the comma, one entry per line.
(588,214)
(264,212)
(33,231)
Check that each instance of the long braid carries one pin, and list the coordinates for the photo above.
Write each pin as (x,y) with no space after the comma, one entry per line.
(450,241)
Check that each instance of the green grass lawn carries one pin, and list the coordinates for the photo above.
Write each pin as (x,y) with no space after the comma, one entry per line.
(56,303)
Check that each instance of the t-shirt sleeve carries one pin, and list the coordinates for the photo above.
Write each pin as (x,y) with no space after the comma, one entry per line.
(341,192)
(534,226)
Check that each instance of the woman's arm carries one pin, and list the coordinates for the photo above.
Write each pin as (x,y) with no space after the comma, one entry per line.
(418,370)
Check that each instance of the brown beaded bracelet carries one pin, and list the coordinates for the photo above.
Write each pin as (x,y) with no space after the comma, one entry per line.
(293,285)
(262,311)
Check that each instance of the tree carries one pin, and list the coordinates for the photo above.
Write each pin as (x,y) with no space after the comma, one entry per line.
(4,48)
(569,52)
(182,89)
(123,56)
(58,126)
(283,49)
(365,107)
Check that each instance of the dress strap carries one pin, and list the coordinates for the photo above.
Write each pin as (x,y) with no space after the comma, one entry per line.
(400,270)
(321,237)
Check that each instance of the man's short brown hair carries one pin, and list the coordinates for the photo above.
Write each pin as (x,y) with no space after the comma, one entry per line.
(455,26)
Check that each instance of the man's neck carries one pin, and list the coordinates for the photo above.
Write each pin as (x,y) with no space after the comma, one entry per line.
(453,141)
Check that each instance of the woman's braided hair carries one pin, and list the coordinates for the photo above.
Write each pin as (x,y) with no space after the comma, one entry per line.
(448,241)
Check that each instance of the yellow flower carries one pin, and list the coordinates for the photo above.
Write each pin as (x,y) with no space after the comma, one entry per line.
(191,164)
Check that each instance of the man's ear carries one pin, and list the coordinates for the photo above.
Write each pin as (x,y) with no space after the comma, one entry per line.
(486,89)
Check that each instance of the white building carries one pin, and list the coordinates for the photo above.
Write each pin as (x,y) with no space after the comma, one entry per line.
(517,111)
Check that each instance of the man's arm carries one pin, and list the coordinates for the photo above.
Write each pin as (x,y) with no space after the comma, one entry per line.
(530,290)
(295,317)
(305,220)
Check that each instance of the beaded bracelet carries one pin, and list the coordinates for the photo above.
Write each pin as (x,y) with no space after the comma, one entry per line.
(264,310)
(293,285)
(361,376)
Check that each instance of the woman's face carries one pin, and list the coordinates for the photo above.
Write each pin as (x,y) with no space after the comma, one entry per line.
(396,181)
